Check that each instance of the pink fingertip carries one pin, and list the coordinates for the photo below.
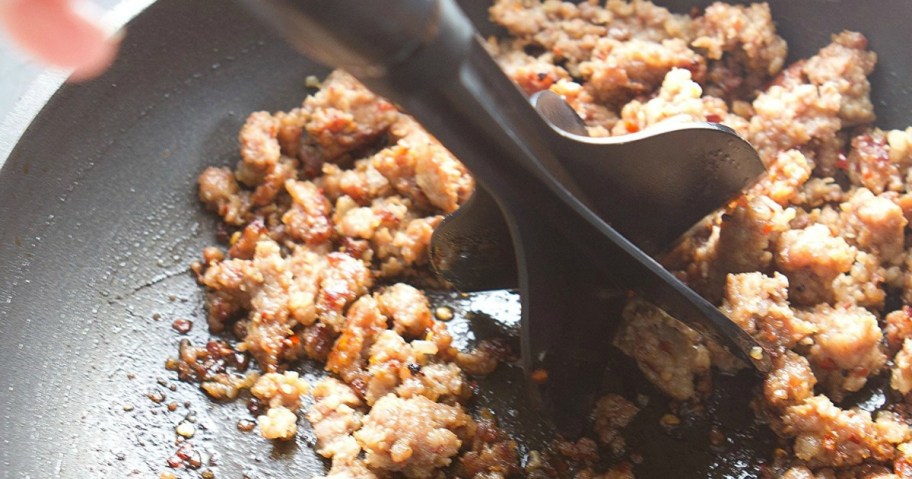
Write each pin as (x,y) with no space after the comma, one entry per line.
(52,32)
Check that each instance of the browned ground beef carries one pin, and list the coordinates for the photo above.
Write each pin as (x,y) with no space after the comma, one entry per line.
(333,203)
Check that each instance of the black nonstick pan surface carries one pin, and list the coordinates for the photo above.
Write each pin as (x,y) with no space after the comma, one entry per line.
(99,222)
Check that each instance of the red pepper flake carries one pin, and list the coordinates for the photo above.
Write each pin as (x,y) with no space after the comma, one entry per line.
(539,376)
(842,162)
(713,118)
(631,126)
(174,462)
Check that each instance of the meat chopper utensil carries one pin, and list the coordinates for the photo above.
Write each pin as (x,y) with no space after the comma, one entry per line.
(568,200)
(472,248)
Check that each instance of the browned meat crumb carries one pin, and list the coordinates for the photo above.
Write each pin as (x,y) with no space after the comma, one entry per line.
(846,349)
(619,71)
(875,224)
(278,423)
(484,358)
(392,360)
(742,47)
(845,64)
(901,374)
(828,436)
(812,258)
(898,328)
(679,99)
(790,382)
(612,413)
(759,304)
(339,119)
(219,191)
(283,390)
(349,354)
(870,163)
(260,150)
(784,178)
(342,281)
(335,415)
(408,308)
(667,352)
(307,220)
(492,454)
(414,436)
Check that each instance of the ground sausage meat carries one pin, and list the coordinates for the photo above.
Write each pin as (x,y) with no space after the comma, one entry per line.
(328,215)
(807,259)
(668,352)
(414,436)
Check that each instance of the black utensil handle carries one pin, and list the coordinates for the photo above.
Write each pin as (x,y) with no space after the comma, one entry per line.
(373,39)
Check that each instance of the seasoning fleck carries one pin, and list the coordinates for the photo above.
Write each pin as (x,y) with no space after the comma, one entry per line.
(312,82)
(443,313)
(670,420)
(182,326)
(185,429)
(156,396)
(539,375)
(245,425)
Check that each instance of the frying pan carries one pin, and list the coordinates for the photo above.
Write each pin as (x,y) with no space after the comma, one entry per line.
(99,220)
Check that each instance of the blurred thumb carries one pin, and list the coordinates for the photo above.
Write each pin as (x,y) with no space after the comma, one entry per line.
(56,34)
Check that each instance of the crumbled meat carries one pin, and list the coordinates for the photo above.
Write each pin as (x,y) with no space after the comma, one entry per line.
(790,382)
(219,191)
(828,436)
(901,374)
(679,100)
(845,64)
(437,382)
(414,436)
(392,360)
(812,258)
(898,328)
(742,47)
(342,281)
(260,150)
(846,349)
(492,454)
(280,390)
(759,304)
(744,243)
(339,119)
(784,178)
(612,413)
(870,163)
(484,358)
(408,308)
(669,353)
(307,219)
(335,415)
(349,354)
(875,224)
(278,423)
(421,169)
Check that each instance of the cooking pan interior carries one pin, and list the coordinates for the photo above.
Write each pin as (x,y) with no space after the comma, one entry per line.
(99,221)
